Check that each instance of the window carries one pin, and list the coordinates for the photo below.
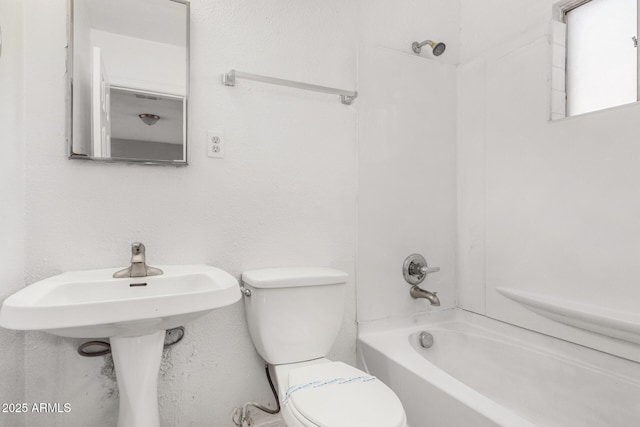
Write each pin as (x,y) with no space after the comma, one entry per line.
(601,61)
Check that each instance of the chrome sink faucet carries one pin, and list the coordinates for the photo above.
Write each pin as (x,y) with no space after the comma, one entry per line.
(138,267)
(415,270)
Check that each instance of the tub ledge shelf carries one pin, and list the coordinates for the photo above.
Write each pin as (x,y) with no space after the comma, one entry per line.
(613,323)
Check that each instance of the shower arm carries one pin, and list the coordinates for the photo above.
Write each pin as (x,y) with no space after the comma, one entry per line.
(426,42)
(417,46)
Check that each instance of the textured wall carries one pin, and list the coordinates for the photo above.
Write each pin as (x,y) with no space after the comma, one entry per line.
(545,207)
(284,195)
(12,204)
(406,154)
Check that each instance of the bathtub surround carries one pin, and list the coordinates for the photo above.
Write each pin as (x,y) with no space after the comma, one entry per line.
(545,207)
(406,155)
(406,159)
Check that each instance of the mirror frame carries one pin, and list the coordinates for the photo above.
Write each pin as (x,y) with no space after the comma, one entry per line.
(69,99)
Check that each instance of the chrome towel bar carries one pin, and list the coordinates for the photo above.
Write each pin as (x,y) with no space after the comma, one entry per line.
(346,96)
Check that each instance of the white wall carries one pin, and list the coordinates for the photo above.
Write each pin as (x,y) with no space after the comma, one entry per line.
(406,166)
(12,221)
(284,195)
(546,207)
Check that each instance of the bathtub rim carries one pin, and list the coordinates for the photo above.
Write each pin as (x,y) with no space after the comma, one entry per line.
(607,362)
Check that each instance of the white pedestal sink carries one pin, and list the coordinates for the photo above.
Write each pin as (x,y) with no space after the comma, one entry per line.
(133,312)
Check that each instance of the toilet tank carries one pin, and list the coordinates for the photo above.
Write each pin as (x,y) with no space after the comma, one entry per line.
(295,313)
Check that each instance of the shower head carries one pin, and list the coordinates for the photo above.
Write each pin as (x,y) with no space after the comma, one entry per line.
(437,48)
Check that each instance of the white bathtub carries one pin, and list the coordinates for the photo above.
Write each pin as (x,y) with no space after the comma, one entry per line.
(481,372)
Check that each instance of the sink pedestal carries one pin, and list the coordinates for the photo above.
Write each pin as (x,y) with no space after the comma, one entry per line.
(137,363)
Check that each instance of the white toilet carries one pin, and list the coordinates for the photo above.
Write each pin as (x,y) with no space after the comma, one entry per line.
(294,315)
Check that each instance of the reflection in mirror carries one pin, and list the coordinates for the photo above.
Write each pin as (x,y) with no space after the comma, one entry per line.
(146,123)
(130,80)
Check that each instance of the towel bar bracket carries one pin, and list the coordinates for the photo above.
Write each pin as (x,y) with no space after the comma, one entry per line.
(229,79)
(346,99)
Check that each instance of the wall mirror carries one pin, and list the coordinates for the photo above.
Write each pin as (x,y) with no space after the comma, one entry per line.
(128,81)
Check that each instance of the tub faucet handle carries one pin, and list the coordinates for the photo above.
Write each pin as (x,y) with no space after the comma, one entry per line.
(415,269)
(428,270)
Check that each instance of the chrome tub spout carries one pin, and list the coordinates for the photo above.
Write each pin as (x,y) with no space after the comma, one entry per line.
(416,292)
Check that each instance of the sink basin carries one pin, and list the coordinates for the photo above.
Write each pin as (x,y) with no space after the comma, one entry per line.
(132,312)
(92,304)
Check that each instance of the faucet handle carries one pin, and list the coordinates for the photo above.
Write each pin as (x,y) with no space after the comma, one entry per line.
(415,269)
(137,252)
(428,270)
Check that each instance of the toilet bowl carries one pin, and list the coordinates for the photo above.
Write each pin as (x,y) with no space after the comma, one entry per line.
(294,315)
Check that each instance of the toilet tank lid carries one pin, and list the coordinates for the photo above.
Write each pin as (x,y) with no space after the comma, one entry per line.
(290,277)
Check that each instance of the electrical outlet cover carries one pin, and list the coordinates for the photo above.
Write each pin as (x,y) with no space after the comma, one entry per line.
(215,144)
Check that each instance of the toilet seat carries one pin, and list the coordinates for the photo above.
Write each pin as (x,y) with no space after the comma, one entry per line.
(335,394)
